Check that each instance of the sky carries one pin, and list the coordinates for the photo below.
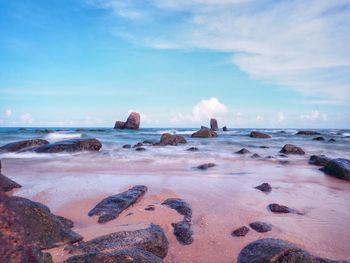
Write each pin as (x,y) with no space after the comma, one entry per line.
(248,63)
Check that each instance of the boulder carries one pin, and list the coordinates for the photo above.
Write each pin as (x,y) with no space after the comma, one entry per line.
(224,129)
(132,123)
(243,151)
(214,124)
(206,166)
(119,125)
(204,133)
(319,138)
(193,149)
(126,146)
(308,133)
(292,149)
(140,149)
(264,187)
(339,168)
(332,140)
(255,155)
(260,227)
(240,232)
(319,160)
(169,139)
(180,205)
(112,206)
(276,208)
(21,145)
(256,134)
(183,232)
(72,145)
(6,184)
(277,251)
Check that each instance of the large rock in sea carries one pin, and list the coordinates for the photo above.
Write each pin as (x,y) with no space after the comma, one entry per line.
(256,134)
(214,124)
(72,145)
(132,123)
(21,145)
(319,160)
(307,133)
(148,244)
(6,184)
(169,139)
(204,133)
(292,149)
(112,206)
(277,251)
(339,168)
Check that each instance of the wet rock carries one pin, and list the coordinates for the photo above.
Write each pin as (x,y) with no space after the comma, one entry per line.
(23,254)
(150,208)
(169,139)
(319,138)
(308,133)
(204,133)
(126,146)
(260,227)
(240,232)
(119,256)
(6,184)
(292,149)
(151,239)
(264,187)
(206,166)
(255,155)
(180,205)
(72,145)
(319,160)
(214,124)
(283,155)
(21,145)
(256,134)
(264,147)
(277,251)
(339,168)
(132,123)
(139,144)
(183,232)
(243,151)
(332,140)
(193,149)
(276,208)
(112,206)
(224,129)
(140,149)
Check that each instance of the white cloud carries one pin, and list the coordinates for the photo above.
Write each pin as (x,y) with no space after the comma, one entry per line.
(313,115)
(280,116)
(8,113)
(259,118)
(26,118)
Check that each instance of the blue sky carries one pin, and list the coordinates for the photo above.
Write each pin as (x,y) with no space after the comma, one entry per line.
(249,63)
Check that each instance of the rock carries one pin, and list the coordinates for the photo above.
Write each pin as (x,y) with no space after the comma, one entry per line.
(139,144)
(180,205)
(24,254)
(183,232)
(206,166)
(6,184)
(193,149)
(283,155)
(150,208)
(151,239)
(72,145)
(276,208)
(319,160)
(112,206)
(260,227)
(319,138)
(169,139)
(132,123)
(21,145)
(149,142)
(119,256)
(126,146)
(292,149)
(264,187)
(264,147)
(214,124)
(256,134)
(308,133)
(277,251)
(240,232)
(43,131)
(332,140)
(224,129)
(204,133)
(339,168)
(243,151)
(255,155)
(140,149)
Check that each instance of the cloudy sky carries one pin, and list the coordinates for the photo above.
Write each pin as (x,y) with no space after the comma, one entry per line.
(249,63)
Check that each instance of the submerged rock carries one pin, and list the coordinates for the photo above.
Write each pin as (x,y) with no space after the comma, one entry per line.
(132,123)
(224,129)
(126,146)
(206,166)
(339,168)
(72,145)
(276,208)
(260,227)
(169,139)
(264,187)
(243,151)
(308,133)
(180,205)
(319,160)
(214,124)
(319,138)
(256,134)
(332,140)
(193,149)
(277,251)
(292,149)
(21,145)
(255,155)
(111,207)
(140,149)
(241,231)
(204,133)
(183,232)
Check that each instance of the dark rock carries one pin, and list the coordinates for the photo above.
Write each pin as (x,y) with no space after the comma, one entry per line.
(23,254)
(119,125)
(292,149)
(283,155)
(255,155)
(139,144)
(277,251)
(112,206)
(132,123)
(214,124)
(308,133)
(126,146)
(151,239)
(339,168)
(181,206)
(256,134)
(264,147)
(118,256)
(260,227)
(150,208)
(140,149)
(72,145)
(283,162)
(319,138)
(43,131)
(169,139)
(224,129)
(240,232)
(204,133)
(183,232)
(206,166)
(6,184)
(243,151)
(276,208)
(21,145)
(332,140)
(319,160)
(193,149)
(149,142)
(264,187)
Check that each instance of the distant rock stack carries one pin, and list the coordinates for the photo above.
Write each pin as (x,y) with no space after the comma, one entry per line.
(214,124)
(132,123)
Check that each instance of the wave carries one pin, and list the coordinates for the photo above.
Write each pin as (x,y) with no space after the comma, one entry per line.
(62,136)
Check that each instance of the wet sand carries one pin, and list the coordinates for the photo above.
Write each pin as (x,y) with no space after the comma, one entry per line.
(222,198)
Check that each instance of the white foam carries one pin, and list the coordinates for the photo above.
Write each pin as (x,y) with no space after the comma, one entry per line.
(62,136)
